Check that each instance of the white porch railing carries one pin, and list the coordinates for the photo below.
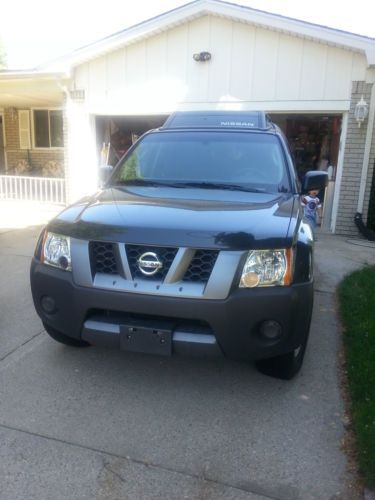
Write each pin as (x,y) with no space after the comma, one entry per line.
(41,189)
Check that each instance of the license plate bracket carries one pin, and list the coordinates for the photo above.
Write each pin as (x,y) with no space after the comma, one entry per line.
(147,339)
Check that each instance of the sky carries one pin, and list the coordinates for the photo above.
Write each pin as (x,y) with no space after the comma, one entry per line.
(34,32)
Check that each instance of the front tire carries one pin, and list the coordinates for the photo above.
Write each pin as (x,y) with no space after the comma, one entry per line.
(286,366)
(64,339)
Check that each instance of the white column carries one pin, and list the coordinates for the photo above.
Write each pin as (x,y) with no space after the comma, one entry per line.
(81,162)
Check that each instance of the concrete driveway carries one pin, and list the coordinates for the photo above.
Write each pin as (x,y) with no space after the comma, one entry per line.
(102,424)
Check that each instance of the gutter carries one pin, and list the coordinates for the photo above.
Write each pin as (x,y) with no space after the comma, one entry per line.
(33,75)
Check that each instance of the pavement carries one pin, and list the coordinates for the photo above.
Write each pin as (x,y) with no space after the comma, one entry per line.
(101,424)
(15,214)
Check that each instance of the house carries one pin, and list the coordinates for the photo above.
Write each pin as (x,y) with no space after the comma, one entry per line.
(89,106)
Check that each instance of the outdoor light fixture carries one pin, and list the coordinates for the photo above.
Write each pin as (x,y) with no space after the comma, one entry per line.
(361,111)
(202,56)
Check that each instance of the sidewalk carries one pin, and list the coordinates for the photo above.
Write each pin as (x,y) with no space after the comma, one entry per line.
(22,214)
(337,256)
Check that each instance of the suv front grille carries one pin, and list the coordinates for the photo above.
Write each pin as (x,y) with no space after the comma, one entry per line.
(201,266)
(103,257)
(165,255)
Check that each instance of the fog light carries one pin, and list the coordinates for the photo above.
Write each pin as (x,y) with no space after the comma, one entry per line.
(271,330)
(48,304)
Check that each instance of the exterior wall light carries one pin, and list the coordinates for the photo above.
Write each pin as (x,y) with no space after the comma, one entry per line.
(361,111)
(202,56)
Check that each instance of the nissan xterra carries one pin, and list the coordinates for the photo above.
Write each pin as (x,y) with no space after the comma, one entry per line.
(196,243)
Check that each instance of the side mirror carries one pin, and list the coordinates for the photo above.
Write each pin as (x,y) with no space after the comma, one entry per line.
(314,180)
(105,172)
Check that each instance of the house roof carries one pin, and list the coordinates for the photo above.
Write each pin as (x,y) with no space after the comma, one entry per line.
(199,8)
(31,88)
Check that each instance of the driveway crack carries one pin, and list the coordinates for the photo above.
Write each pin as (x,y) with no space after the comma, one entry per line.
(199,477)
(21,345)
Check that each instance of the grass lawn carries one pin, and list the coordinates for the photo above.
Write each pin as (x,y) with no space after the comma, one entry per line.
(357,304)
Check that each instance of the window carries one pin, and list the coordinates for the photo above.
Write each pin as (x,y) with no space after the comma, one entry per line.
(48,128)
(248,159)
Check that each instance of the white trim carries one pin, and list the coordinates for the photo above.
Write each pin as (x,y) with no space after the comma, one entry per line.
(44,108)
(340,166)
(366,155)
(300,107)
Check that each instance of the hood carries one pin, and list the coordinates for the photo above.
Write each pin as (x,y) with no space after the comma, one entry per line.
(180,217)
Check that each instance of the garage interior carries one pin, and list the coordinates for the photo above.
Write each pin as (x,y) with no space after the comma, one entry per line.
(116,134)
(313,138)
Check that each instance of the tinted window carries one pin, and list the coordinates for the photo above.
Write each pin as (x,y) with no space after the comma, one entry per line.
(224,157)
(41,129)
(48,128)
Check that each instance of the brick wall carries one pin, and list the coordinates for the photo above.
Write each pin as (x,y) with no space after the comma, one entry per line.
(352,167)
(370,177)
(36,158)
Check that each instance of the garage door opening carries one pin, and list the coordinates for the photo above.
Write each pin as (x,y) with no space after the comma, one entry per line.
(314,142)
(116,134)
(313,138)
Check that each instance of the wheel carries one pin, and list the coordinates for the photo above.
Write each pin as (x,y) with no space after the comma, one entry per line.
(64,339)
(285,366)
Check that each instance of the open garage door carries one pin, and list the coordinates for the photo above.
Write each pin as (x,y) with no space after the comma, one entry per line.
(115,134)
(314,141)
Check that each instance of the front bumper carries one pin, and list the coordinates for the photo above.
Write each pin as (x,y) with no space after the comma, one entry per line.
(229,326)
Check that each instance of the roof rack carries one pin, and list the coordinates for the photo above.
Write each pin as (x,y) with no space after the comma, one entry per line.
(258,120)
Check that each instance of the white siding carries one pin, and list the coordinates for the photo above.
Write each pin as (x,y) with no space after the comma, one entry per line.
(251,66)
(221,37)
(197,72)
(338,74)
(116,74)
(289,64)
(265,64)
(242,62)
(313,69)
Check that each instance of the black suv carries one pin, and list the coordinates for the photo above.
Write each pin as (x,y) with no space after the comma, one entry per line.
(195,243)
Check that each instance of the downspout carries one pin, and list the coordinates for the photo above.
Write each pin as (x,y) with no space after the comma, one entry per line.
(65,91)
(366,232)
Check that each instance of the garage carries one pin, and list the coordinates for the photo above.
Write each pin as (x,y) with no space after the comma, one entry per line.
(217,56)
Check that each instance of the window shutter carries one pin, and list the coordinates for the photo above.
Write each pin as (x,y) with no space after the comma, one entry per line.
(24,128)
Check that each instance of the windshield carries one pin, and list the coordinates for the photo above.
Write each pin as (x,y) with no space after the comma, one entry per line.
(227,160)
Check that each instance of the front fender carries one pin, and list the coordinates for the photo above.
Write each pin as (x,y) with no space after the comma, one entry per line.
(304,248)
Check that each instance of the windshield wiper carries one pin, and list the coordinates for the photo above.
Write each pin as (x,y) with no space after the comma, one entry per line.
(222,185)
(145,182)
(181,185)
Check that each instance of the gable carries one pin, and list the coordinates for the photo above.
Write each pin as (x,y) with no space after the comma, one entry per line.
(223,9)
(249,64)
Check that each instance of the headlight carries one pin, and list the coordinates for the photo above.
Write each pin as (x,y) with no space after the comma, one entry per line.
(56,251)
(267,268)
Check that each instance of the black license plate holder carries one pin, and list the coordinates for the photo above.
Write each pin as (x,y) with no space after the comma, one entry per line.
(146,339)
